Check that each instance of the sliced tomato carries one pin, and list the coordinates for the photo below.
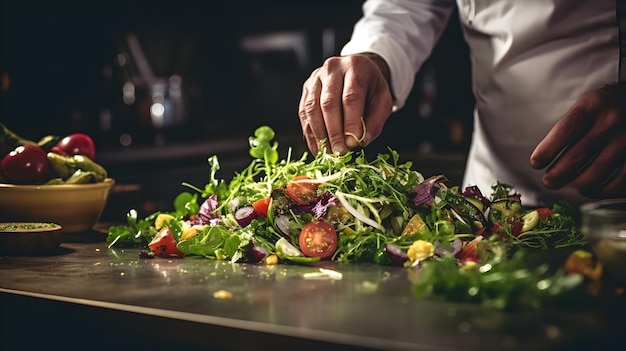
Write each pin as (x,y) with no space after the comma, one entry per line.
(301,190)
(470,252)
(261,206)
(164,245)
(544,212)
(499,229)
(318,239)
(516,227)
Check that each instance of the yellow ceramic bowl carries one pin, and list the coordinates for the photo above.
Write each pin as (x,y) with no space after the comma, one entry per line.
(76,207)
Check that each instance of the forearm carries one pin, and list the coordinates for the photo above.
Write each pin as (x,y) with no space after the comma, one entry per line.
(402,34)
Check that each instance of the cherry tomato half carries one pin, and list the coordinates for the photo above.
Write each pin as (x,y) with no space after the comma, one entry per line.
(27,164)
(470,253)
(261,206)
(499,228)
(164,245)
(76,144)
(544,212)
(301,191)
(318,239)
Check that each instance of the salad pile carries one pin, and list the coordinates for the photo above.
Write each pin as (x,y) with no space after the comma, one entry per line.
(346,208)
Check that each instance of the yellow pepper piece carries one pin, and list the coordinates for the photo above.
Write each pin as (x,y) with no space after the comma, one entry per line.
(416,225)
(188,233)
(161,219)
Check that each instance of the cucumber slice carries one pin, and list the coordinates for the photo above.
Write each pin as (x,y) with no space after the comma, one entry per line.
(531,219)
(285,249)
(302,259)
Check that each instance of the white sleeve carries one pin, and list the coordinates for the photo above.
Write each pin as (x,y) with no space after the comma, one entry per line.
(403,33)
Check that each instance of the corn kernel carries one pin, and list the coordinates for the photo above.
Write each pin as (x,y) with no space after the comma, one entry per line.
(271,260)
(420,250)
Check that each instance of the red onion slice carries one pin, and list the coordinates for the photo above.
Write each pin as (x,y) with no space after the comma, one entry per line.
(245,215)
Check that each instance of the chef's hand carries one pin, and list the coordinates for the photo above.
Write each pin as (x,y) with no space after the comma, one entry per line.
(586,149)
(346,102)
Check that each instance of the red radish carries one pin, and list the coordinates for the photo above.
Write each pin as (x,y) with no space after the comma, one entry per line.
(27,164)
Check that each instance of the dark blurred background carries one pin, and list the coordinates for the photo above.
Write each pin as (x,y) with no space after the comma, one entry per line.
(163,85)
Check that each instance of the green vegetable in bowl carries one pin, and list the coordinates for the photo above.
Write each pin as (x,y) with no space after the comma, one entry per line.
(67,166)
(9,140)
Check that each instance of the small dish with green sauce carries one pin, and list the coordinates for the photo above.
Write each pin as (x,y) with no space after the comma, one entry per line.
(29,238)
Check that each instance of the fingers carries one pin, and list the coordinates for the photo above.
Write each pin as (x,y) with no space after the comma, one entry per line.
(616,185)
(320,109)
(345,103)
(575,157)
(353,109)
(605,176)
(378,110)
(367,102)
(310,113)
(586,149)
(567,130)
(331,107)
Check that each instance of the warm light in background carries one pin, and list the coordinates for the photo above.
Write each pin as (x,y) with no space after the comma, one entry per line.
(6,81)
(128,93)
(126,139)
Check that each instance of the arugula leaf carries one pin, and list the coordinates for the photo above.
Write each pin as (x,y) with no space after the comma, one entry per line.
(260,146)
(231,245)
(208,243)
(136,232)
(186,204)
(505,284)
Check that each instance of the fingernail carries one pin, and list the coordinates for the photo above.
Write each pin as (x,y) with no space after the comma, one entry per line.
(548,183)
(536,164)
(339,149)
(351,141)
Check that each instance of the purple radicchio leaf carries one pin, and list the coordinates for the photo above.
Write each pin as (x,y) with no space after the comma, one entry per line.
(424,192)
(207,214)
(321,205)
(317,208)
(474,191)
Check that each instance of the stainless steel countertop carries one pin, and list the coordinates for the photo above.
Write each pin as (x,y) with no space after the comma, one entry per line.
(111,293)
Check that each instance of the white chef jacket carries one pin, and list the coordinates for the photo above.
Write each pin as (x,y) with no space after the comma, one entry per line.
(531,60)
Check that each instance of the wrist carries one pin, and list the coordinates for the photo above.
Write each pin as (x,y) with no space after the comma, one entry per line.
(381,64)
